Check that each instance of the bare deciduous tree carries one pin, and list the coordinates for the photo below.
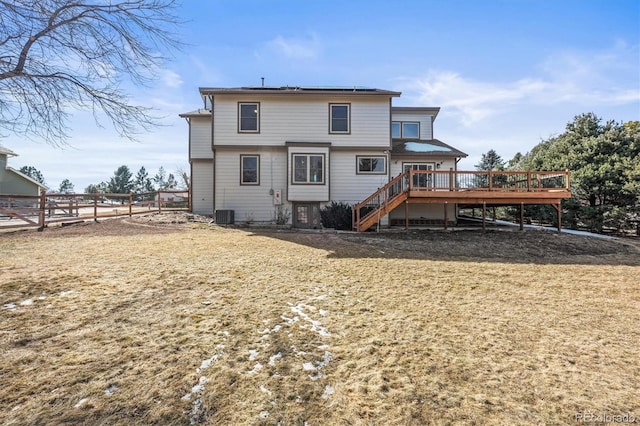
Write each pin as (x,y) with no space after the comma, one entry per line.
(60,55)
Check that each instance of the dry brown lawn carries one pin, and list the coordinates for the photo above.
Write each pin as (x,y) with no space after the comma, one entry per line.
(139,322)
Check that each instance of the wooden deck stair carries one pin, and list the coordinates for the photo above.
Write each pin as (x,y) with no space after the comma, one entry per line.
(380,203)
(463,187)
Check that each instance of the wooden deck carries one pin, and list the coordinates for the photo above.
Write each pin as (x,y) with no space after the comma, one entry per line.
(481,188)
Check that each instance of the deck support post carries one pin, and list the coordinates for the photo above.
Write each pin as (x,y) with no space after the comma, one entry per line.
(559,210)
(446,219)
(484,217)
(522,216)
(406,215)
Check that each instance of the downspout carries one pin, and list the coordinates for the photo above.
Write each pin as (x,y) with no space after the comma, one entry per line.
(213,150)
(457,210)
(190,193)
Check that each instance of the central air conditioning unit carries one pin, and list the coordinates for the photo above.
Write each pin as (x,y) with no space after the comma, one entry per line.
(224,217)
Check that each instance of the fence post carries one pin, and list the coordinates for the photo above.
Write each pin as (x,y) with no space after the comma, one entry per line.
(528,180)
(159,202)
(130,203)
(95,207)
(43,202)
(490,181)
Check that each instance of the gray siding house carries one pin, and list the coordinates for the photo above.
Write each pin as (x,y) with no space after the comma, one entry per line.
(12,181)
(278,154)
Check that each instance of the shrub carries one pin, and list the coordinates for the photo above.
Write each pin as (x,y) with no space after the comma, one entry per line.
(337,216)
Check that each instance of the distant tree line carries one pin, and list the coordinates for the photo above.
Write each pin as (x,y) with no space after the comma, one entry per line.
(122,181)
(604,160)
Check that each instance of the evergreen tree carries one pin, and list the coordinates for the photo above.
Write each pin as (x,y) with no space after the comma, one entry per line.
(604,159)
(33,173)
(121,182)
(142,182)
(66,187)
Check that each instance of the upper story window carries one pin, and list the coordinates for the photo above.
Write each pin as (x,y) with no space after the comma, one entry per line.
(405,129)
(339,118)
(376,165)
(249,170)
(249,117)
(308,169)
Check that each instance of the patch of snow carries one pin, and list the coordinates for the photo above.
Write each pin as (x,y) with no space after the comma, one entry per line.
(273,358)
(323,347)
(264,389)
(26,302)
(17,407)
(253,354)
(256,368)
(206,303)
(316,326)
(66,292)
(187,397)
(308,366)
(200,386)
(317,376)
(226,333)
(110,390)
(10,306)
(207,362)
(263,414)
(321,297)
(290,321)
(42,297)
(328,391)
(276,328)
(322,312)
(81,403)
(265,331)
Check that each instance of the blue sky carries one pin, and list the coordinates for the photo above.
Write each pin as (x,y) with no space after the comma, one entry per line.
(506,74)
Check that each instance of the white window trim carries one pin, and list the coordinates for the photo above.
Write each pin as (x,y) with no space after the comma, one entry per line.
(361,157)
(257,105)
(402,123)
(308,177)
(343,132)
(242,157)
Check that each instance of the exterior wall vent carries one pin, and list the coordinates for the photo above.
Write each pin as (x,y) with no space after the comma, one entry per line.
(224,217)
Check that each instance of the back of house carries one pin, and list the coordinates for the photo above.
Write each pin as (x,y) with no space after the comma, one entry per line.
(279,154)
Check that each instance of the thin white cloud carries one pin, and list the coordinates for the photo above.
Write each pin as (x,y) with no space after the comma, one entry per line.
(296,48)
(581,78)
(171,79)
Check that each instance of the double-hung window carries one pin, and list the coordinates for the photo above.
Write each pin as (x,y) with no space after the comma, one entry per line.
(339,118)
(405,129)
(375,165)
(308,169)
(248,117)
(249,170)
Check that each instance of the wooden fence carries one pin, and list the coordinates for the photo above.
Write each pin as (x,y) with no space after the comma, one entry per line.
(17,211)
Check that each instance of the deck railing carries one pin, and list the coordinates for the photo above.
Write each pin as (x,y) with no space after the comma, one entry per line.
(456,180)
(516,181)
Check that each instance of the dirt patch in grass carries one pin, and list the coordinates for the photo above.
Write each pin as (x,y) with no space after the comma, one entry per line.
(140,321)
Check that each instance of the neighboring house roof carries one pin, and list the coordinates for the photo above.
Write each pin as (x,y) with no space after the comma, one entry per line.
(298,90)
(431,147)
(7,151)
(197,113)
(432,111)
